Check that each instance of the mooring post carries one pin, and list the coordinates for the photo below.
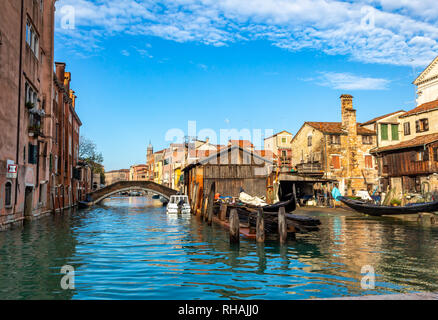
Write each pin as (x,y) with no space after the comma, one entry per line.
(260,232)
(202,211)
(223,212)
(282,226)
(209,216)
(195,201)
(234,226)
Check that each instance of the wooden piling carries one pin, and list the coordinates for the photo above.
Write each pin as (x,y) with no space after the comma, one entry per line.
(209,216)
(202,206)
(195,201)
(234,227)
(223,212)
(260,233)
(282,226)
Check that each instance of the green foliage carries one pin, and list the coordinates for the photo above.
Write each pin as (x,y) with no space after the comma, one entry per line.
(89,154)
(395,202)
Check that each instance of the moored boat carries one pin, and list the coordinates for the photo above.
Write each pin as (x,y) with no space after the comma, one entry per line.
(379,210)
(178,204)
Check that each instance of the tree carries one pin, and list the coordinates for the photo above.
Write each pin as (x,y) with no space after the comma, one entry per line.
(89,154)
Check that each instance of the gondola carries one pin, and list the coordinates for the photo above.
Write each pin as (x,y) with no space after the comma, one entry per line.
(378,210)
(289,205)
(83,205)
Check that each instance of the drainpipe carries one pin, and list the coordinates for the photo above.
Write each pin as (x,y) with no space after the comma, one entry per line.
(20,71)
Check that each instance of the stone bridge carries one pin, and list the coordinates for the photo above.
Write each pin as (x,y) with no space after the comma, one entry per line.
(98,195)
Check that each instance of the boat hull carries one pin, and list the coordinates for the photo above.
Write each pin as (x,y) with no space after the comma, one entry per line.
(289,205)
(377,210)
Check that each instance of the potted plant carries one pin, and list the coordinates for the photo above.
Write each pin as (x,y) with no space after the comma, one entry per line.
(30,105)
(395,202)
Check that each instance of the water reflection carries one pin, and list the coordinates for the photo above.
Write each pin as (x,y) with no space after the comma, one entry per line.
(128,248)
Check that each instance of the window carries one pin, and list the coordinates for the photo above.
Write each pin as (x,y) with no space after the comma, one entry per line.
(435,154)
(283,140)
(384,131)
(8,194)
(309,141)
(335,139)
(367,140)
(33,154)
(368,161)
(407,128)
(336,163)
(422,125)
(31,95)
(32,39)
(421,156)
(394,132)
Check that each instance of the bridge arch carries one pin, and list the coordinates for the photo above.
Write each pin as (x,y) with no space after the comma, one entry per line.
(120,186)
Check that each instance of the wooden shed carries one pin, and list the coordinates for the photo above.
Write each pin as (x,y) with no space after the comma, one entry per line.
(231,168)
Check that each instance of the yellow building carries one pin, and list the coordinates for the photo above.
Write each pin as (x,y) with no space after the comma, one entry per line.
(158,167)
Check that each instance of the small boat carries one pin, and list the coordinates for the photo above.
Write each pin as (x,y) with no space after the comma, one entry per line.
(178,204)
(378,210)
(289,205)
(156,196)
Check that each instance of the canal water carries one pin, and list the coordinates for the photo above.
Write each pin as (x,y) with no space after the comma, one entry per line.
(128,248)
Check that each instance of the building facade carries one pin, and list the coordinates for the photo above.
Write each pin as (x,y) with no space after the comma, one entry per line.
(280,145)
(116,176)
(337,151)
(28,116)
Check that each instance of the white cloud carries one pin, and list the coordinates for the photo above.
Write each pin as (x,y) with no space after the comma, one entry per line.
(348,81)
(399,32)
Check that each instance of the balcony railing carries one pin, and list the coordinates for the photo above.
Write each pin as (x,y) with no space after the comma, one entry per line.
(315,167)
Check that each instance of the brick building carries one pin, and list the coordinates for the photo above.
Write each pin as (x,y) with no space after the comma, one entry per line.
(29,114)
(67,182)
(335,151)
(26,60)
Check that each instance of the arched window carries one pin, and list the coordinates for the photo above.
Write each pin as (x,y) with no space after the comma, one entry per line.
(8,194)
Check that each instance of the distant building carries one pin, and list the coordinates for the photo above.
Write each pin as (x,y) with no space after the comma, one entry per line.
(280,145)
(138,173)
(116,176)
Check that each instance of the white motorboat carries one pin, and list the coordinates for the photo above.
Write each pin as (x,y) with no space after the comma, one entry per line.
(178,204)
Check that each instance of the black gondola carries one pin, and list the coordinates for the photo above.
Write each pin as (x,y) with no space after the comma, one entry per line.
(289,205)
(378,210)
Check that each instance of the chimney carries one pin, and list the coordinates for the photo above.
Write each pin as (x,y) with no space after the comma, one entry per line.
(348,115)
(60,71)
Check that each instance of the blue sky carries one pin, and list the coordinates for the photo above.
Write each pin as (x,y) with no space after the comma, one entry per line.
(142,67)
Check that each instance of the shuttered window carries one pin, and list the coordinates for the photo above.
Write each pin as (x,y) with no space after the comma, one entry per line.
(407,128)
(336,162)
(394,132)
(368,161)
(384,131)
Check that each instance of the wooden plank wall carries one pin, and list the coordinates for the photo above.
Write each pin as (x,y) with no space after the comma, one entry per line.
(230,178)
(401,163)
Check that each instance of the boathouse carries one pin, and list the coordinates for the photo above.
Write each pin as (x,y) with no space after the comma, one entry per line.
(232,168)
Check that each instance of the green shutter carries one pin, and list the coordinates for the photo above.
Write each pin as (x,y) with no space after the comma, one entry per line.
(384,134)
(394,129)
